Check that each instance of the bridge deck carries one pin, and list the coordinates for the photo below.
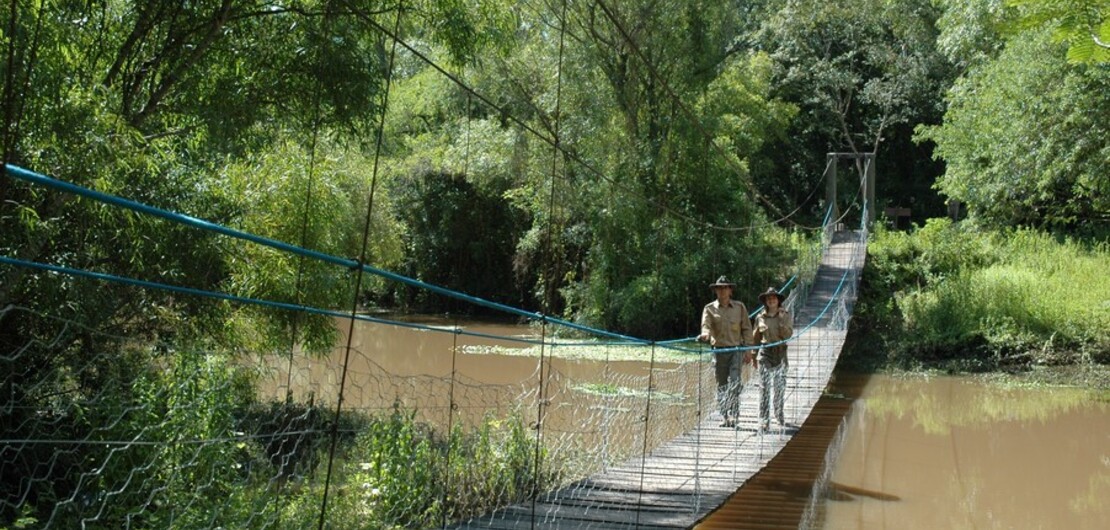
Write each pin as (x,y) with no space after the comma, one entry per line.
(681,481)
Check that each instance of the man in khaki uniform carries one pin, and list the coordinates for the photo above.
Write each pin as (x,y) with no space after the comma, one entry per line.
(725,326)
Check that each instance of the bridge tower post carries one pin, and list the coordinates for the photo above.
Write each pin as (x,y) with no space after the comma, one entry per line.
(867,182)
(830,186)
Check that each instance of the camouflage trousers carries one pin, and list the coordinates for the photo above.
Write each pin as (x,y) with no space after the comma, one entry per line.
(772,383)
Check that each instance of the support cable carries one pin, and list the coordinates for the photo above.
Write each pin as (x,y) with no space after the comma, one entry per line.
(555,151)
(451,405)
(647,406)
(358,275)
(36,178)
(8,140)
(348,263)
(81,273)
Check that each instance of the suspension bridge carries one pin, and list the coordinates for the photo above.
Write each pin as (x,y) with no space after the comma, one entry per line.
(651,454)
(106,429)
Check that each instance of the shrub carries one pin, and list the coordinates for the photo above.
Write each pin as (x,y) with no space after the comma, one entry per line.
(399,474)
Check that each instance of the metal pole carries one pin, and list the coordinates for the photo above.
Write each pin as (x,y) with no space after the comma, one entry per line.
(830,186)
(870,190)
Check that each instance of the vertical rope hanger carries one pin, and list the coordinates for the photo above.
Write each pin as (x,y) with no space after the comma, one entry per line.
(359,271)
(556,145)
(452,407)
(646,420)
(702,358)
(298,284)
(8,138)
(647,413)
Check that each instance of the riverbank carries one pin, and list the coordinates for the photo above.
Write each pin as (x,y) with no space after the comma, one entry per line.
(956,298)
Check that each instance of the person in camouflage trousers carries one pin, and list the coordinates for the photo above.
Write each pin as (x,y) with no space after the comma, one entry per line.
(772,326)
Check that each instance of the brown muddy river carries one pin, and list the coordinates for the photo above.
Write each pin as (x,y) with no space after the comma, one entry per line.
(451,379)
(952,452)
(928,453)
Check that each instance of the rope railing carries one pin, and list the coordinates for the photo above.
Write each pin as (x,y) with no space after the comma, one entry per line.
(349,264)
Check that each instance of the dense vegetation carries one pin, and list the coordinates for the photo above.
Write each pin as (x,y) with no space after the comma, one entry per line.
(601,161)
(954,296)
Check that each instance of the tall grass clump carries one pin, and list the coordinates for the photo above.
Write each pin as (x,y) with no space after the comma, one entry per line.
(400,474)
(953,295)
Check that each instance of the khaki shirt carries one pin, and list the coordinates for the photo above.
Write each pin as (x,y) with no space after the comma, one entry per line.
(771,329)
(726,326)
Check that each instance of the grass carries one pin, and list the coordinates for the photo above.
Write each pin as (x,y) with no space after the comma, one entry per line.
(970,300)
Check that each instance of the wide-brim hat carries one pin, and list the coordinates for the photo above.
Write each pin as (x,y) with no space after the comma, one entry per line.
(722,282)
(771,291)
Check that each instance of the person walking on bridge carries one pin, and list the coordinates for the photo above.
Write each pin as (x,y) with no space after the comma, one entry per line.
(772,326)
(725,325)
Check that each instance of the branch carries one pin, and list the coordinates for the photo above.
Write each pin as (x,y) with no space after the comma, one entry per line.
(842,115)
(215,25)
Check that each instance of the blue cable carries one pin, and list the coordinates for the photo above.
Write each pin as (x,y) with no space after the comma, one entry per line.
(244,300)
(37,178)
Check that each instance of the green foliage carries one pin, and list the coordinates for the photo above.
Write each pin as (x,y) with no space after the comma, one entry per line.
(1083,24)
(1025,140)
(397,474)
(863,73)
(460,236)
(316,200)
(949,293)
(466,28)
(172,417)
(971,30)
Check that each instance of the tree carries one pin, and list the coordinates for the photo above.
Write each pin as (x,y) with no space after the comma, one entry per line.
(1025,139)
(1083,24)
(863,72)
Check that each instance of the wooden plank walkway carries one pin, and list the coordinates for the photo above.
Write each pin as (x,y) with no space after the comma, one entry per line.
(680,482)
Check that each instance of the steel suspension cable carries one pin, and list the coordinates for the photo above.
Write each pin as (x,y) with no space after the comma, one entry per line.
(29,176)
(359,272)
(451,405)
(7,141)
(647,405)
(13,110)
(348,263)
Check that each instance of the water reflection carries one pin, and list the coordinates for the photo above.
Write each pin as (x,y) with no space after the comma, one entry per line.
(951,452)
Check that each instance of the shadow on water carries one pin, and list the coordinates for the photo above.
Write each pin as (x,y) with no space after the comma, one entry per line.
(841,492)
